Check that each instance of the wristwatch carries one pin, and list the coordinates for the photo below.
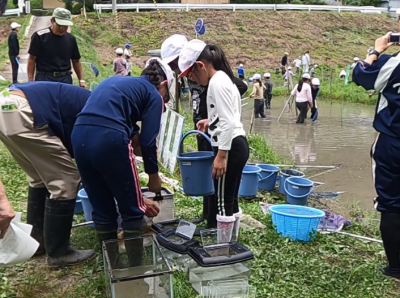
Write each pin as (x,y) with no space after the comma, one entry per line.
(374,52)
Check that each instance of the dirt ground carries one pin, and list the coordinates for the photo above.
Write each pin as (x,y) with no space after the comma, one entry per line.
(254,38)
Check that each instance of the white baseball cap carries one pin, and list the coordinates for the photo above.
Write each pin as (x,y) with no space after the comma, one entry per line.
(316,65)
(356,59)
(172,46)
(15,25)
(267,75)
(166,68)
(257,76)
(315,81)
(240,65)
(289,67)
(119,51)
(189,55)
(306,76)
(286,53)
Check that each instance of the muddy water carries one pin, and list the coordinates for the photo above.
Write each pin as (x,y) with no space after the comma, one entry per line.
(343,134)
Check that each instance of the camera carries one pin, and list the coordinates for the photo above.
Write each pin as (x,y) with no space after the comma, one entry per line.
(394,37)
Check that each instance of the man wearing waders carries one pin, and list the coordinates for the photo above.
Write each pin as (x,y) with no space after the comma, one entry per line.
(314,94)
(170,50)
(381,72)
(267,90)
(306,62)
(36,128)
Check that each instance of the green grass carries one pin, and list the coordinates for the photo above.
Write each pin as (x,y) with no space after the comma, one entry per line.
(329,266)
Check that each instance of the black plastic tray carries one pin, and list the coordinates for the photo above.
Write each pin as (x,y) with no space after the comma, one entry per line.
(165,225)
(210,256)
(181,248)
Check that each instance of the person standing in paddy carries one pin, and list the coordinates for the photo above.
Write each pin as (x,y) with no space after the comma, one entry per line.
(302,91)
(208,66)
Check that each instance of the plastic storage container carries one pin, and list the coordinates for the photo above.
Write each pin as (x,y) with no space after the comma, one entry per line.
(136,271)
(217,263)
(165,203)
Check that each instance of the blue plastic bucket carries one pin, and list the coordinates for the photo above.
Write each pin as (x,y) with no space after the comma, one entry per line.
(284,174)
(299,223)
(196,169)
(78,206)
(268,177)
(87,207)
(186,89)
(297,190)
(78,203)
(249,183)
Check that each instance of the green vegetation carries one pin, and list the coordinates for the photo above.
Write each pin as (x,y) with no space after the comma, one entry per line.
(333,39)
(281,268)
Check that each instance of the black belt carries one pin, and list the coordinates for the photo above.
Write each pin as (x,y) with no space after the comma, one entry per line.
(56,74)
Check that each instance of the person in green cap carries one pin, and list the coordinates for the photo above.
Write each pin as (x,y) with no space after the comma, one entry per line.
(52,50)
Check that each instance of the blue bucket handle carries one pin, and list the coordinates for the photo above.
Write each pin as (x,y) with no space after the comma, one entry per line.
(192,132)
(265,178)
(298,197)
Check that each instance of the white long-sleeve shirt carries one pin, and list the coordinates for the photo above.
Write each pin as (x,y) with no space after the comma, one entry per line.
(224,106)
(305,60)
(304,95)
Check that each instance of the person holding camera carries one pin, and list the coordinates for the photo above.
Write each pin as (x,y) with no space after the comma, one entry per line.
(381,72)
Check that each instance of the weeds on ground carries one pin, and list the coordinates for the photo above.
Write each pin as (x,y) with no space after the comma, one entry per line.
(330,266)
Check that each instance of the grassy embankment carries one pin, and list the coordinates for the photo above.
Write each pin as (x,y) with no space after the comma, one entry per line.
(333,39)
(332,265)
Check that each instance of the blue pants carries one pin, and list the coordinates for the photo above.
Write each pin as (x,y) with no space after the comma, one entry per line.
(385,155)
(107,165)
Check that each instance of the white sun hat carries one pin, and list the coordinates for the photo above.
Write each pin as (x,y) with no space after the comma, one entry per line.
(257,76)
(240,65)
(166,68)
(356,59)
(189,55)
(306,76)
(15,25)
(289,67)
(267,75)
(172,46)
(315,81)
(119,51)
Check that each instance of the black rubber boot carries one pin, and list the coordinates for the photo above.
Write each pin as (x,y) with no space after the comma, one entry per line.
(57,231)
(134,248)
(392,272)
(35,217)
(112,247)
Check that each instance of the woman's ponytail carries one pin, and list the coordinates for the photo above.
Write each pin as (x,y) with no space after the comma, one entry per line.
(300,85)
(215,55)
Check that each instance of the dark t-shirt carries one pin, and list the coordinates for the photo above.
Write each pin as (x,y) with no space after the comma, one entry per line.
(53,52)
(13,44)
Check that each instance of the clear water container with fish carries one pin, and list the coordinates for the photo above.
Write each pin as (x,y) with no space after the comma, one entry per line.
(137,270)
